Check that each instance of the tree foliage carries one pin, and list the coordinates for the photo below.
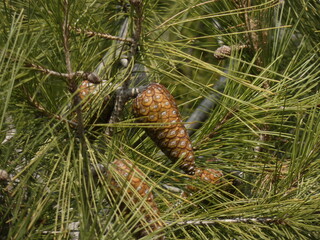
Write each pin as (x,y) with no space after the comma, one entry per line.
(262,131)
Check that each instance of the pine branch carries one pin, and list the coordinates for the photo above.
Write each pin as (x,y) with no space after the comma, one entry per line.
(121,97)
(260,220)
(120,46)
(213,222)
(85,193)
(90,76)
(120,93)
(72,84)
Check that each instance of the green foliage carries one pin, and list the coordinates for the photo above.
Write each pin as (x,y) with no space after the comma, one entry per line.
(265,125)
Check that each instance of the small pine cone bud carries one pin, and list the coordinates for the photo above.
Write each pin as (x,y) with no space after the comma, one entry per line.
(222,52)
(208,175)
(4,176)
(156,105)
(136,190)
(92,77)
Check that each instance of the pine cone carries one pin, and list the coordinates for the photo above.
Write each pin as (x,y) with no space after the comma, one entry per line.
(136,178)
(208,175)
(87,91)
(156,105)
(222,52)
(88,88)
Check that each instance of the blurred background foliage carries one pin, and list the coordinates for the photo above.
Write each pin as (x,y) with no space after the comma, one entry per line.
(263,132)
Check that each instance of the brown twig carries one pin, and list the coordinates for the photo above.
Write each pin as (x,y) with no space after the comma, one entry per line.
(121,97)
(103,35)
(137,5)
(72,85)
(92,77)
(85,192)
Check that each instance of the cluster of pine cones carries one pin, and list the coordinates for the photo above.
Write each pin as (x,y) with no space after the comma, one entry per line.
(156,108)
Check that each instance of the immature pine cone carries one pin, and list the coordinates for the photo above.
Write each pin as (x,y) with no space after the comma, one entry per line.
(134,178)
(87,93)
(208,175)
(88,88)
(222,52)
(156,105)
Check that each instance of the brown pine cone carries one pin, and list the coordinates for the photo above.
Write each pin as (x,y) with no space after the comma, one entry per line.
(156,105)
(132,180)
(222,52)
(208,175)
(87,91)
(88,88)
